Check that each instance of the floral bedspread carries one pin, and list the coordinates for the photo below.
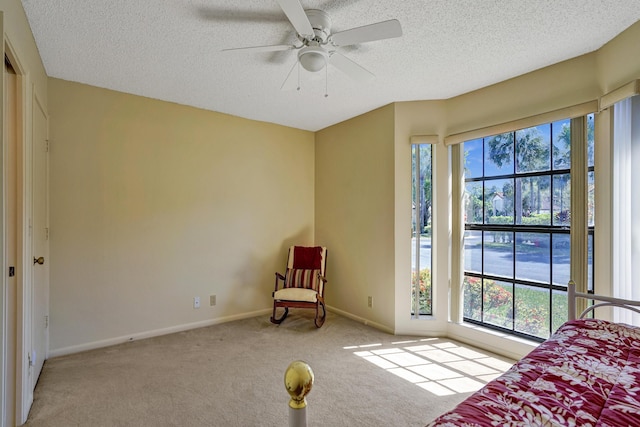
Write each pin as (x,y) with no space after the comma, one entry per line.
(586,374)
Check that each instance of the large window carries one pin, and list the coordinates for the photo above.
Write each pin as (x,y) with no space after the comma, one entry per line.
(517,215)
(421,230)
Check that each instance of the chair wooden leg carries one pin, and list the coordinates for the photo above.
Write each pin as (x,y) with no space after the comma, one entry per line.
(278,320)
(319,321)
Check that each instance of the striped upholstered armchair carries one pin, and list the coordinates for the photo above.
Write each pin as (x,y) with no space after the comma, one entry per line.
(302,285)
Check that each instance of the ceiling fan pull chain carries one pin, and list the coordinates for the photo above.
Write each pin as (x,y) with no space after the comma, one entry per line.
(298,89)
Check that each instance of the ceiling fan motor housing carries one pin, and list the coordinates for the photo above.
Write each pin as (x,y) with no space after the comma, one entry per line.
(313,57)
(321,24)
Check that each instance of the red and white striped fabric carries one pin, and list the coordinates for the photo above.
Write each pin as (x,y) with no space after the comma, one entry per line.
(302,278)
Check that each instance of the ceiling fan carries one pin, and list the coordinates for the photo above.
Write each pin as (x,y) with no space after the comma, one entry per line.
(317,45)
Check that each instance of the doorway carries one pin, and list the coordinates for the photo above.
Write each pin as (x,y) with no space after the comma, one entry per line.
(24,286)
(10,308)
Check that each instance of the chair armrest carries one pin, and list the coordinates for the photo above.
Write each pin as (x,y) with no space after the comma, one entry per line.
(278,277)
(323,281)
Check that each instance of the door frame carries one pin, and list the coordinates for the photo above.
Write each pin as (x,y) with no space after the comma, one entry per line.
(23,393)
(3,276)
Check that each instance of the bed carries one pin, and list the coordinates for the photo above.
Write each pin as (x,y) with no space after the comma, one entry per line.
(586,374)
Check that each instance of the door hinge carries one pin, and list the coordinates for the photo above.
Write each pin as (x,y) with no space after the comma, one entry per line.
(46,322)
(46,145)
(46,233)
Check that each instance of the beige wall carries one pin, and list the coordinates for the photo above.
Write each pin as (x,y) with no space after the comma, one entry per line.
(558,86)
(153,203)
(354,214)
(618,60)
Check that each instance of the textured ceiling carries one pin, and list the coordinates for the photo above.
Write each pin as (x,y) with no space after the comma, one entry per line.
(171,49)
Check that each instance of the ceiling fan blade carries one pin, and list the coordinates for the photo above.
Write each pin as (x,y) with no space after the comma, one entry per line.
(350,68)
(295,13)
(272,48)
(236,14)
(368,33)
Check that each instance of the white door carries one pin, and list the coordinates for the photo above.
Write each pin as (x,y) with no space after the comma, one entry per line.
(40,245)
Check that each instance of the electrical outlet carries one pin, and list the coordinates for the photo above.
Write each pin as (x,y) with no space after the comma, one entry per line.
(196,302)
(370,302)
(212,300)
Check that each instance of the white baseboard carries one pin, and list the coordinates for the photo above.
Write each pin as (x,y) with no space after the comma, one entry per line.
(153,333)
(367,322)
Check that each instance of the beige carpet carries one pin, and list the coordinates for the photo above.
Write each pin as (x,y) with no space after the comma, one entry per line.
(232,375)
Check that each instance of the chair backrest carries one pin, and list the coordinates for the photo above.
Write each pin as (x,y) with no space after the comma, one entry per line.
(308,257)
(302,262)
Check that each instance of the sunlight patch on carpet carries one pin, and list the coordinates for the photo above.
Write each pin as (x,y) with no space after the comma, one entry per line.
(441,367)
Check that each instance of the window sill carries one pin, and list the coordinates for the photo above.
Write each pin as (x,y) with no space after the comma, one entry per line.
(491,340)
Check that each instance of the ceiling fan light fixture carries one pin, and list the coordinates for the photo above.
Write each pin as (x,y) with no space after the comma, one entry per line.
(313,58)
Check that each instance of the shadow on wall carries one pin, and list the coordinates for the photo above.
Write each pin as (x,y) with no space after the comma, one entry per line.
(254,282)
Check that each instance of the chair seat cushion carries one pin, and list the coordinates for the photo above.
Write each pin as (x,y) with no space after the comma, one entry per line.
(296,294)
